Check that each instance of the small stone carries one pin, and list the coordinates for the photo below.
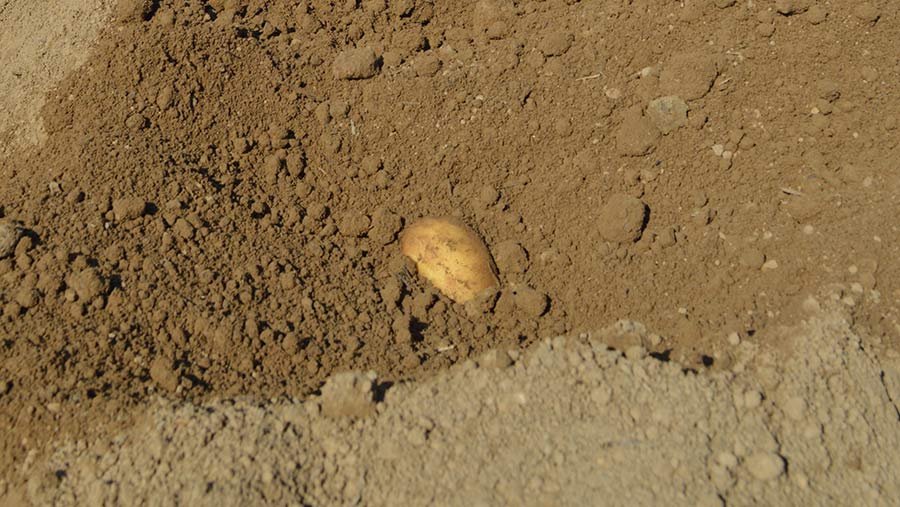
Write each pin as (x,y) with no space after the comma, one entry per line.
(494,359)
(765,466)
(136,122)
(668,113)
(555,44)
(530,301)
(752,258)
(129,208)
(487,196)
(790,7)
(510,257)
(162,373)
(338,109)
(622,219)
(86,283)
(164,98)
(816,14)
(688,75)
(129,11)
(866,12)
(427,65)
(828,90)
(636,135)
(10,233)
(765,29)
(869,74)
(734,338)
(359,63)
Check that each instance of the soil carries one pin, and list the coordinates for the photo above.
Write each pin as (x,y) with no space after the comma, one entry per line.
(209,206)
(567,424)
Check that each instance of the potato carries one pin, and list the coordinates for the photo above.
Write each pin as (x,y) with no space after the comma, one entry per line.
(450,255)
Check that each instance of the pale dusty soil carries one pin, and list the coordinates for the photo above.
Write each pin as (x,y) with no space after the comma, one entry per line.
(198,240)
(40,45)
(569,422)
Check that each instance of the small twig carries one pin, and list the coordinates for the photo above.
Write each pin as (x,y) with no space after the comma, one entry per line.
(592,76)
(791,191)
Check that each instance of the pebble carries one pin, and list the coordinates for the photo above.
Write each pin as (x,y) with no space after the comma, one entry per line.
(816,14)
(427,65)
(828,90)
(555,44)
(636,135)
(165,97)
(668,113)
(532,302)
(129,11)
(354,224)
(162,373)
(734,338)
(10,233)
(359,63)
(752,258)
(510,257)
(689,76)
(869,74)
(789,7)
(867,12)
(487,196)
(136,121)
(621,219)
(765,466)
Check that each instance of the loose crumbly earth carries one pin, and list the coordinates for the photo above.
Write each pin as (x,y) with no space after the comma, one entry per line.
(209,206)
(573,423)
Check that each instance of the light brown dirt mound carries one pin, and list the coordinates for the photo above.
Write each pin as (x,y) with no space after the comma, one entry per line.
(573,423)
(42,43)
(215,210)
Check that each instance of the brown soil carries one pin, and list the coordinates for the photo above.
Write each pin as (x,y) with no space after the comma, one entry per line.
(215,209)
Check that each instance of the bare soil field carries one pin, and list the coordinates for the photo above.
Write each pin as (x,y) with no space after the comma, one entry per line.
(691,207)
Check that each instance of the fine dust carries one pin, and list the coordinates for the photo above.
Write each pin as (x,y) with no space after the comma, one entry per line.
(569,423)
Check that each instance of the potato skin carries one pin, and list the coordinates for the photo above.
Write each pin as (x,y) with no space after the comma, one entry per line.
(450,255)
